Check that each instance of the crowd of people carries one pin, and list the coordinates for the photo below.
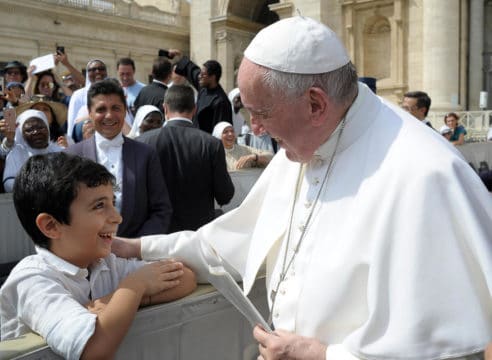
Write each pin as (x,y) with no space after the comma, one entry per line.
(375,248)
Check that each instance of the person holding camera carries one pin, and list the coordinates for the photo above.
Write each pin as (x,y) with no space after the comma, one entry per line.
(153,94)
(213,105)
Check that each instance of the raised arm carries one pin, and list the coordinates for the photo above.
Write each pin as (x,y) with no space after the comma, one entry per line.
(77,76)
(187,68)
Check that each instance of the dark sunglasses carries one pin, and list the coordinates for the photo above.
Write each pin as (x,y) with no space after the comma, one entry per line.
(97,68)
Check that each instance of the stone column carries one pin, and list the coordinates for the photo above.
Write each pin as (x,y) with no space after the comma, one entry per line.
(441,49)
(225,58)
(476,71)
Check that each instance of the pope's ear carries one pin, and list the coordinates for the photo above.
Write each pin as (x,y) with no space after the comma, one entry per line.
(48,225)
(319,104)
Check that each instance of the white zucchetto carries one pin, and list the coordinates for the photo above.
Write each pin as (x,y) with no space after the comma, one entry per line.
(298,45)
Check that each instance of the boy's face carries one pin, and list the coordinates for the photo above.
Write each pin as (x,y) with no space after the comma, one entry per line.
(93,223)
(108,114)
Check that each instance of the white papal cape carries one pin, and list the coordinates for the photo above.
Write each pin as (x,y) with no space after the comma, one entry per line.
(397,259)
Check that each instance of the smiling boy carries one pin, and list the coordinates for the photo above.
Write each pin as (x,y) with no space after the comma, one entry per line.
(77,295)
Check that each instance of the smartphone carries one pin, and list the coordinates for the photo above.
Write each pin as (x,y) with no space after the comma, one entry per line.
(60,49)
(2,85)
(9,116)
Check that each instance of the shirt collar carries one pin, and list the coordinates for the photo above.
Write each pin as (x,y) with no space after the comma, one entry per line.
(116,141)
(358,119)
(180,118)
(60,264)
(159,82)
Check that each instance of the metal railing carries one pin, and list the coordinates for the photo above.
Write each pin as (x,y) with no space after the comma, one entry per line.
(476,123)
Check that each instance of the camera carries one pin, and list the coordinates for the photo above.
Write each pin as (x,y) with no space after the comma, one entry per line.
(60,49)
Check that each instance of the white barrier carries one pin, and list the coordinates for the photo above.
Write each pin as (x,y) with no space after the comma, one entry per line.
(14,242)
(203,325)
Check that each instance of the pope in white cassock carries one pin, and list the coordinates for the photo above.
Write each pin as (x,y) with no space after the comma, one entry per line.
(377,234)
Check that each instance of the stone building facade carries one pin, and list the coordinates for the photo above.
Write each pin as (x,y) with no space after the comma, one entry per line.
(443,47)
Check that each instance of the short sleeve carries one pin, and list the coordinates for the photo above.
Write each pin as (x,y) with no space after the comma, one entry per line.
(49,309)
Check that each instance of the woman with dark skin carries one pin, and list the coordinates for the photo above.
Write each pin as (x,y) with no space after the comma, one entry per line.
(148,117)
(32,137)
(55,112)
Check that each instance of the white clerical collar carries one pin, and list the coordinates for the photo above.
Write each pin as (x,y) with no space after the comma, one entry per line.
(355,123)
(117,141)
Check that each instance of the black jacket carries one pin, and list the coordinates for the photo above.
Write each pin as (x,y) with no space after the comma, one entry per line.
(194,167)
(213,105)
(152,94)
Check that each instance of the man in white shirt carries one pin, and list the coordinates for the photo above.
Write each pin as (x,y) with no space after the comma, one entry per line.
(126,73)
(418,104)
(376,233)
(141,192)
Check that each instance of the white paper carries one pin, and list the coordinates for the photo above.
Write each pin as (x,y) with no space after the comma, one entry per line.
(227,286)
(43,63)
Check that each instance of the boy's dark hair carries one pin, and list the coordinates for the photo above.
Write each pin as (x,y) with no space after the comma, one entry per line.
(161,68)
(126,61)
(48,184)
(423,100)
(213,68)
(180,98)
(105,87)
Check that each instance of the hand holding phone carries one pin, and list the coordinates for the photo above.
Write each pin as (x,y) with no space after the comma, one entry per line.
(9,116)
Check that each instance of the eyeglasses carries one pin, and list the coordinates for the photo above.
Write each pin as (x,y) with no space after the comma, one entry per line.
(49,85)
(13,72)
(97,68)
(31,130)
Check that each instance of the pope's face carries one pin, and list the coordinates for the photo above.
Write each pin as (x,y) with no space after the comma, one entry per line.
(285,120)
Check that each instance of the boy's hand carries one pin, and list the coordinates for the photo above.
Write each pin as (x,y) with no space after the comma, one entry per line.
(98,305)
(158,276)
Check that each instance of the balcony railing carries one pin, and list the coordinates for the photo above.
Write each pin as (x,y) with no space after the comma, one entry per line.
(476,123)
(120,8)
(97,5)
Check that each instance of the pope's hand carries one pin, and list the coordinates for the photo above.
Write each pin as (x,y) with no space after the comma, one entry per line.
(287,346)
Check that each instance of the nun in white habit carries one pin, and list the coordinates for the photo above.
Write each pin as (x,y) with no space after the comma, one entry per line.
(27,145)
(377,234)
(151,118)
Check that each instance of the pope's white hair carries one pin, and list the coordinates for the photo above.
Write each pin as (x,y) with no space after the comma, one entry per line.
(340,85)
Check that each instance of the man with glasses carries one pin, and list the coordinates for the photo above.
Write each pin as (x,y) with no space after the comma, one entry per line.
(77,109)
(418,104)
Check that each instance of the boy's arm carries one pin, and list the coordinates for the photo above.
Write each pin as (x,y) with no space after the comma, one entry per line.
(114,320)
(187,284)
